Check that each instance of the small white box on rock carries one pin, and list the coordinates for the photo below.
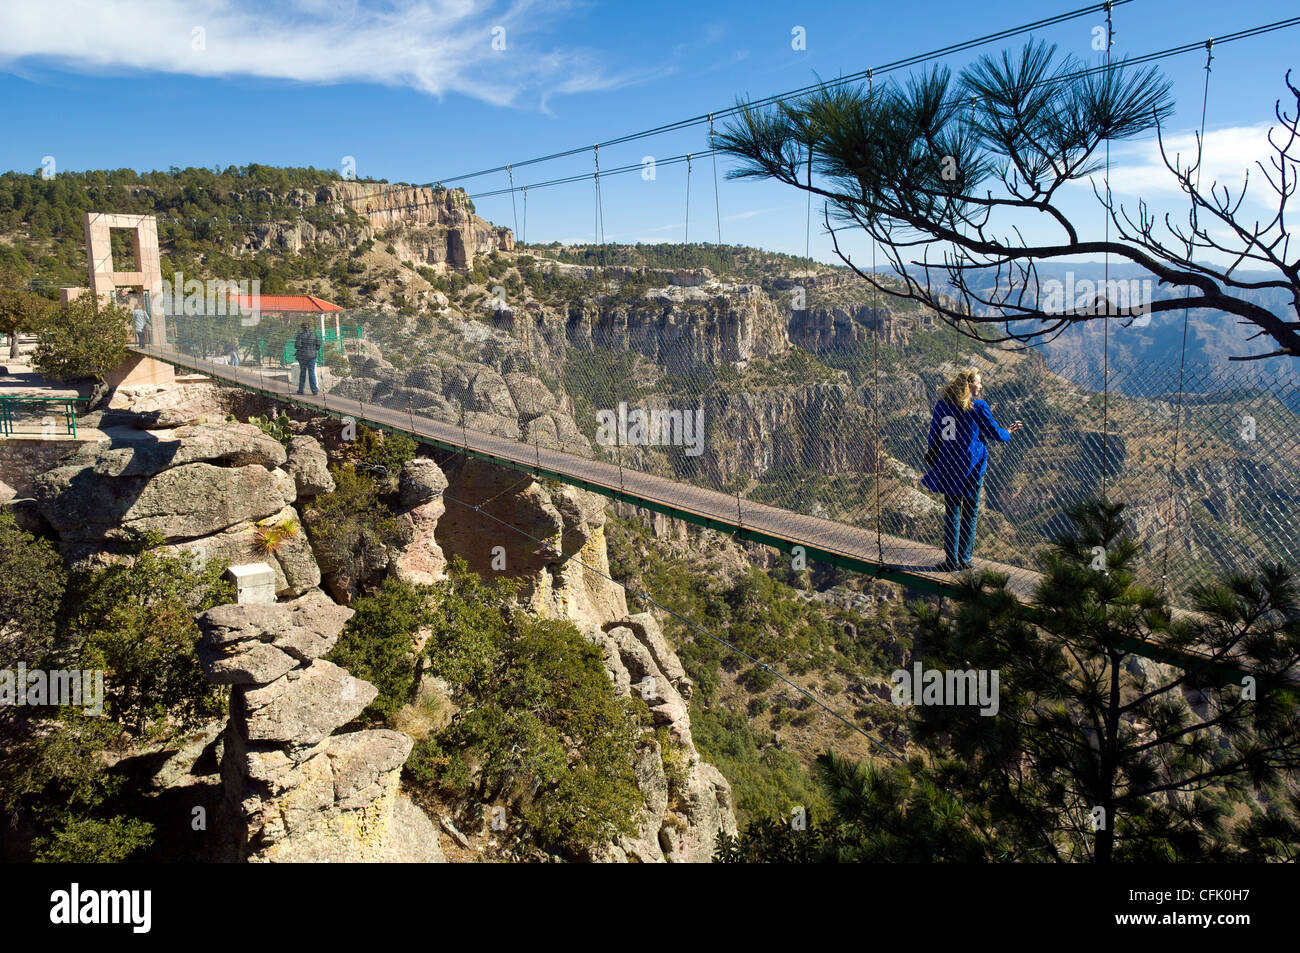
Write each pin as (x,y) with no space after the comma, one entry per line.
(254,583)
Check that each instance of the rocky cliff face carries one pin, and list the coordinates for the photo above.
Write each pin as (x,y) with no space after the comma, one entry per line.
(438,226)
(700,323)
(297,791)
(688,801)
(207,488)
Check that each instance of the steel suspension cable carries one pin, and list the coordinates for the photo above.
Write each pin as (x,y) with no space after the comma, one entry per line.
(794,93)
(510,172)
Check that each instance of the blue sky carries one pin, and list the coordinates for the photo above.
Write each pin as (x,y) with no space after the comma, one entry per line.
(415,91)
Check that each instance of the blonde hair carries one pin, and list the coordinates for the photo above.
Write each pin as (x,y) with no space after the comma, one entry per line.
(957,392)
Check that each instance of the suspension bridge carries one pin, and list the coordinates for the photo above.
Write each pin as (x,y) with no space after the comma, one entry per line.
(1206,458)
(909,562)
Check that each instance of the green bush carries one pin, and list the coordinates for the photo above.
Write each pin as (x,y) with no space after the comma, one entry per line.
(88,840)
(385,450)
(136,622)
(378,642)
(32,584)
(539,723)
(84,339)
(350,527)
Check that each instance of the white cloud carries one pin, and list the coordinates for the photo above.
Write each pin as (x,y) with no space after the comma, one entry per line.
(434,46)
(752,213)
(1137,168)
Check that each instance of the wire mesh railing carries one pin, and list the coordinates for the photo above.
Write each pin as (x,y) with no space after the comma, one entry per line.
(840,432)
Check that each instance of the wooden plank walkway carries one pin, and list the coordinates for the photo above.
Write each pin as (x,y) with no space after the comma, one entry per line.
(891,557)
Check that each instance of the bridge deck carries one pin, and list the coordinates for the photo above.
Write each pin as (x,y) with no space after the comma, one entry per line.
(895,559)
(901,560)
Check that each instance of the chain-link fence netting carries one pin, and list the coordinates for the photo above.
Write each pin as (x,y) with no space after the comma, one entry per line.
(838,432)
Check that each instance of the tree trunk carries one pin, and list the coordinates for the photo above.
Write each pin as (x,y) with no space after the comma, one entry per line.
(99,392)
(1104,849)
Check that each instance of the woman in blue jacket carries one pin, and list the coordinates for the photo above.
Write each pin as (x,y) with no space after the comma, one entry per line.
(957,456)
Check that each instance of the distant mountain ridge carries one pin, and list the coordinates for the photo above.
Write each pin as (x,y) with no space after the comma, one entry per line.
(1083,350)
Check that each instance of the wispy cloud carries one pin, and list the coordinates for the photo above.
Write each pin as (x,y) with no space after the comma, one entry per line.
(1137,168)
(755,212)
(490,51)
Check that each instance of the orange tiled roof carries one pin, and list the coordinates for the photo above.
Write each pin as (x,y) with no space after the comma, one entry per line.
(294,304)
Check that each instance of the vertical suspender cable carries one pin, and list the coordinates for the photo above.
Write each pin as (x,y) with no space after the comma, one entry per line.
(514,211)
(686,237)
(600,212)
(523,239)
(875,363)
(1182,360)
(1105,359)
(717,208)
(877,437)
(600,236)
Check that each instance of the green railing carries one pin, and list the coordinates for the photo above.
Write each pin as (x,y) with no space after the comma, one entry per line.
(15,415)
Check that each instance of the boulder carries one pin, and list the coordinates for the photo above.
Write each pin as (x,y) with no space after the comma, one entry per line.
(309,466)
(360,760)
(234,444)
(356,388)
(419,558)
(303,708)
(175,405)
(531,397)
(425,377)
(296,571)
(421,481)
(304,629)
(196,499)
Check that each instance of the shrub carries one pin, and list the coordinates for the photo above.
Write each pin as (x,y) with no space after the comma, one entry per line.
(88,840)
(350,527)
(136,622)
(378,642)
(32,583)
(539,725)
(84,339)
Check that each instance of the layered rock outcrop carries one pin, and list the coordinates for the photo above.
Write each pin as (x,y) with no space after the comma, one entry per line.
(562,572)
(297,791)
(688,801)
(439,226)
(679,328)
(419,560)
(208,488)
